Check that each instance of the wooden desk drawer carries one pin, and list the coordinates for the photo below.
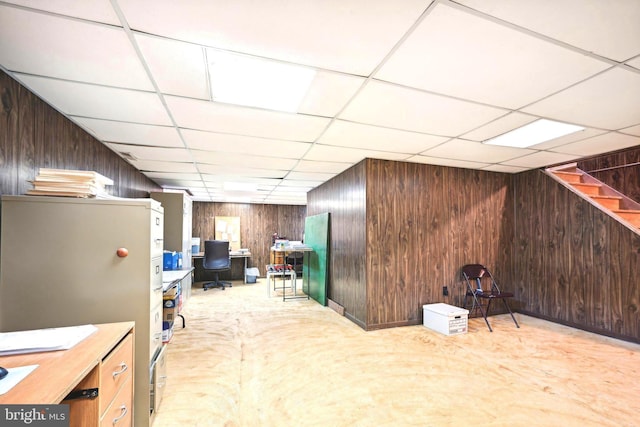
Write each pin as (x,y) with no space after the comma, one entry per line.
(120,412)
(115,370)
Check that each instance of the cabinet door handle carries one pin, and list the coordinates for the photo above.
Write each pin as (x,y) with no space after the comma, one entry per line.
(123,412)
(123,368)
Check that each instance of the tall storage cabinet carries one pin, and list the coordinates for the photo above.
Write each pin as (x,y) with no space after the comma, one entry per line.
(178,211)
(59,266)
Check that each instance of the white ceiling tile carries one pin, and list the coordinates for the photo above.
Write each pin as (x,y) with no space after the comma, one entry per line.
(177,183)
(212,141)
(178,68)
(212,116)
(328,153)
(316,166)
(504,169)
(143,152)
(99,54)
(219,158)
(341,35)
(477,58)
(329,93)
(633,130)
(233,171)
(356,135)
(95,10)
(475,151)
(310,176)
(447,162)
(499,126)
(634,63)
(309,184)
(567,139)
(131,133)
(79,99)
(591,146)
(541,159)
(592,25)
(195,177)
(609,101)
(402,108)
(165,167)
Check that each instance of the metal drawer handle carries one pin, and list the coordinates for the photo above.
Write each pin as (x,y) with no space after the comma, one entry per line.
(123,412)
(123,368)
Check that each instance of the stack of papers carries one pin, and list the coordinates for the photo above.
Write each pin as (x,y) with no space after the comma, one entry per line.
(70,183)
(39,340)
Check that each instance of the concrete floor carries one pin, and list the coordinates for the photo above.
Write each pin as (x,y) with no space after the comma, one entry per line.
(246,359)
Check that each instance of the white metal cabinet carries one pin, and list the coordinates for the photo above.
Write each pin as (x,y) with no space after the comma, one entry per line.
(59,267)
(178,212)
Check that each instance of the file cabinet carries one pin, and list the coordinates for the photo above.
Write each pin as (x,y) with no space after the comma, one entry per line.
(60,266)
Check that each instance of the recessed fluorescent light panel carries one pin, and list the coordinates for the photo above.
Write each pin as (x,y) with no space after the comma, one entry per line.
(534,133)
(255,82)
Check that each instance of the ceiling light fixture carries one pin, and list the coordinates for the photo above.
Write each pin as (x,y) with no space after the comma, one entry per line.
(534,133)
(255,82)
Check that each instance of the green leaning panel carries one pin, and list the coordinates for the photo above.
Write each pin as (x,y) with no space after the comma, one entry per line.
(316,236)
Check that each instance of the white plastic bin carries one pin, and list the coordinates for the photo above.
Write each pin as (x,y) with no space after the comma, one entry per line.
(446,319)
(252,274)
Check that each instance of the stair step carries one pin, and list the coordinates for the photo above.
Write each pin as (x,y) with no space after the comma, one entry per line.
(588,188)
(631,216)
(570,177)
(609,202)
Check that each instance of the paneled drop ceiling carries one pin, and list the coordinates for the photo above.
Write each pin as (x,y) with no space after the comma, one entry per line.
(412,80)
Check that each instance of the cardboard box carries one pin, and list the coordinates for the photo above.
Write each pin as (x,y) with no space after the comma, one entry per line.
(173,292)
(170,308)
(167,331)
(446,319)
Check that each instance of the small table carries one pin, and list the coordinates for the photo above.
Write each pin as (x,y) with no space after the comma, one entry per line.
(285,250)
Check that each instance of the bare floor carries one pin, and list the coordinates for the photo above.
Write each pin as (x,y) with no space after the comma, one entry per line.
(246,359)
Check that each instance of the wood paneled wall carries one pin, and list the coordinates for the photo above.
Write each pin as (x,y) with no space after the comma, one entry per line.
(33,135)
(257,225)
(345,198)
(573,264)
(421,224)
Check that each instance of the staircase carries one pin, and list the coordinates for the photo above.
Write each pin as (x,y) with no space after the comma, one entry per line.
(617,204)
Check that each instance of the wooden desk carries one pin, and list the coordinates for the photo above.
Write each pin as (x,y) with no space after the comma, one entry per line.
(233,254)
(89,364)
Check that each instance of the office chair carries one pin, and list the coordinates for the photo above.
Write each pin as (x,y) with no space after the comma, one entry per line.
(481,298)
(216,259)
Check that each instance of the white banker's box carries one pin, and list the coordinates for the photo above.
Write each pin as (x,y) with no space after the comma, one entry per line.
(444,318)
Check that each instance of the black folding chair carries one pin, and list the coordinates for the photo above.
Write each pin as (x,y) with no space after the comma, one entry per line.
(481,297)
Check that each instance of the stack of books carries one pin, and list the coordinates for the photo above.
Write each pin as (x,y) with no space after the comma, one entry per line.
(70,183)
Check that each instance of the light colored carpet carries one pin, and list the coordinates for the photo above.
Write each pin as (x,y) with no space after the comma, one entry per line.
(246,359)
